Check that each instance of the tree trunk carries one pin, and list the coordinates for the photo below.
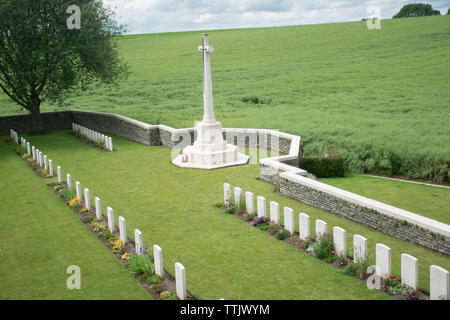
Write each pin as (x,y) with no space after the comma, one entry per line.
(38,126)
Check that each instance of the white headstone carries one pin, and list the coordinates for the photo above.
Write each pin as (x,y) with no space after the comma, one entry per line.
(98,208)
(45,163)
(37,156)
(69,181)
(110,215)
(139,245)
(321,229)
(59,171)
(106,143)
(41,162)
(237,196)
(158,260)
(28,148)
(274,212)
(122,230)
(249,202)
(304,226)
(110,144)
(78,189)
(261,202)
(87,199)
(227,194)
(439,283)
(359,248)
(410,271)
(50,167)
(289,219)
(339,240)
(33,151)
(383,260)
(180,279)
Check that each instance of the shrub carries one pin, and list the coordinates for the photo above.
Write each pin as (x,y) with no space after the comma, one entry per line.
(67,193)
(118,246)
(324,249)
(154,279)
(230,210)
(167,295)
(394,286)
(356,269)
(141,264)
(241,207)
(282,234)
(98,226)
(108,236)
(351,269)
(325,167)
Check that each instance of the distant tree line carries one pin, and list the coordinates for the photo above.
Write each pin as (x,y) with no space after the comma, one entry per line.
(417,10)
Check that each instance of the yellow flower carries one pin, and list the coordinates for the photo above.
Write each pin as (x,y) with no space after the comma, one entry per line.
(74,201)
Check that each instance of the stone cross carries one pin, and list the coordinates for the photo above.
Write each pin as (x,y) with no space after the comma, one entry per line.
(208,105)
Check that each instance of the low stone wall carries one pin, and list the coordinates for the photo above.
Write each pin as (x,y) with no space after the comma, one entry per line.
(22,123)
(119,125)
(390,220)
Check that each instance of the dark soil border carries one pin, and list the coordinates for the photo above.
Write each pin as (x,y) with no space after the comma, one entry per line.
(295,241)
(168,283)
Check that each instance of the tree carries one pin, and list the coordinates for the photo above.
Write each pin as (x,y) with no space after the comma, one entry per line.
(44,55)
(416,10)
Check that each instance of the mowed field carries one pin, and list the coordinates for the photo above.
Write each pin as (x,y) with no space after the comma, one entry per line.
(380,96)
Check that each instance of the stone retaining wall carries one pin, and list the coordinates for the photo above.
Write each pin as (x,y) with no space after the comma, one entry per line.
(390,220)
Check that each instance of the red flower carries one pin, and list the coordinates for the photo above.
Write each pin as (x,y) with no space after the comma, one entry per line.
(332,252)
(273,221)
(337,255)
(278,229)
(392,276)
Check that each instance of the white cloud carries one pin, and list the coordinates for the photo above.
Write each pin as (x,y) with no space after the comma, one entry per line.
(149,16)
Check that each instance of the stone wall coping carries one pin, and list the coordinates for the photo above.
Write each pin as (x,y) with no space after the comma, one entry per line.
(400,214)
(118,116)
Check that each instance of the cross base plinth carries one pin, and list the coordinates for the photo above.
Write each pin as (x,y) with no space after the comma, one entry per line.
(210,151)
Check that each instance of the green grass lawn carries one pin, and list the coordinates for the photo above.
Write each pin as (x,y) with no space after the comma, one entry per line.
(371,93)
(41,237)
(223,256)
(429,201)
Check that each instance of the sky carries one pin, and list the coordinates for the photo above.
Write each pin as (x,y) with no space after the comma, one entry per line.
(154,16)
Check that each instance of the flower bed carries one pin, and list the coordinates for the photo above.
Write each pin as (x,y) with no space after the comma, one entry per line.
(323,249)
(141,265)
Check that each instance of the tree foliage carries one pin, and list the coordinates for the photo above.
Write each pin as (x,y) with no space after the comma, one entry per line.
(42,58)
(416,10)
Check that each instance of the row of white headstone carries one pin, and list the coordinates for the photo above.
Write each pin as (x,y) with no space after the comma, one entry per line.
(93,136)
(439,277)
(180,272)
(36,154)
